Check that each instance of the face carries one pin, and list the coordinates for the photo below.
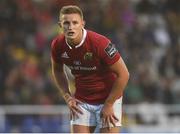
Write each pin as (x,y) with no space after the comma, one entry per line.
(72,25)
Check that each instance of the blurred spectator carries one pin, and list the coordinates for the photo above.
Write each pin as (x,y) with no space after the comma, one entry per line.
(146,33)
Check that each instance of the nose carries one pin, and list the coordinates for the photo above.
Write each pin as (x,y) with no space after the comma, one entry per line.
(70,26)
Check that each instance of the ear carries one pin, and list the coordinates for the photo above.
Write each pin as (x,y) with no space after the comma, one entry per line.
(84,23)
(59,23)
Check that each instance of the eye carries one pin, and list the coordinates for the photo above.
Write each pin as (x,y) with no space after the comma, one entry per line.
(75,22)
(65,23)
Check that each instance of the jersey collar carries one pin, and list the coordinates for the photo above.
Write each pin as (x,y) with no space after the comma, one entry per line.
(82,41)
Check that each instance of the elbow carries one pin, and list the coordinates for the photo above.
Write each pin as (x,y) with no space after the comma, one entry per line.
(128,75)
(124,75)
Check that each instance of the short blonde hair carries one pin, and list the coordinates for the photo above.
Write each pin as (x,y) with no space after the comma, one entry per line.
(70,9)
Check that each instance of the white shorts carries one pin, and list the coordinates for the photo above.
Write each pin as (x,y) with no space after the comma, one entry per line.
(91,114)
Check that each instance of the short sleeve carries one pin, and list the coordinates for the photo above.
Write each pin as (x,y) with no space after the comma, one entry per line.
(108,52)
(55,51)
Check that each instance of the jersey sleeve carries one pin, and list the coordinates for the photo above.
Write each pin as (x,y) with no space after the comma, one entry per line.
(55,52)
(108,52)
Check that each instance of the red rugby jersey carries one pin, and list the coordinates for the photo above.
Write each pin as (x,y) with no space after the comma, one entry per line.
(89,63)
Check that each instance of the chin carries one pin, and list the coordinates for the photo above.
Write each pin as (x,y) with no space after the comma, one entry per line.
(70,38)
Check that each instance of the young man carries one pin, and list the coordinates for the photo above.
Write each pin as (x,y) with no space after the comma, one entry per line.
(99,71)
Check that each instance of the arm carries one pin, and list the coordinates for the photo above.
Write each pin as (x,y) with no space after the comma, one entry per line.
(62,84)
(60,79)
(119,85)
(120,69)
(71,80)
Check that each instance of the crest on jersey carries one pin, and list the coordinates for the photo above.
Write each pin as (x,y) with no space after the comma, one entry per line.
(88,56)
(110,50)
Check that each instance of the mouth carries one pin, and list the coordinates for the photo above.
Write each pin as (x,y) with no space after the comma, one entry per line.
(71,33)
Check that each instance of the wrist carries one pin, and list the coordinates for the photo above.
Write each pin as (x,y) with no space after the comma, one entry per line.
(107,103)
(66,96)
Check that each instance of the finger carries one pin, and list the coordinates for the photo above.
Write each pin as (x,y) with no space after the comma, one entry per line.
(108,123)
(112,120)
(71,116)
(78,101)
(75,113)
(77,109)
(115,118)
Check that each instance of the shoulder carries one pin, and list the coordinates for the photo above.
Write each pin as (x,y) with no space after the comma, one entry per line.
(56,47)
(57,41)
(97,38)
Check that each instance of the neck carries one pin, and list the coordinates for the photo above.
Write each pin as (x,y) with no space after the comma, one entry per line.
(77,40)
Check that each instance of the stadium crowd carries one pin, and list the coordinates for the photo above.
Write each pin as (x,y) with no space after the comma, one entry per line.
(146,32)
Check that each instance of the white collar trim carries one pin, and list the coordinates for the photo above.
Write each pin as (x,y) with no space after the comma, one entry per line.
(82,41)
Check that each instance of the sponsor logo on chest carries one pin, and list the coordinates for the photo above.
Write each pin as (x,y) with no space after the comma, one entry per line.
(76,62)
(79,65)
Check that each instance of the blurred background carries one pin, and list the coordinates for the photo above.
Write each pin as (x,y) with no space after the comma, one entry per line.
(146,33)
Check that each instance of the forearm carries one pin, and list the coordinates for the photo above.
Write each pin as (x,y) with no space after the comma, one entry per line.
(61,82)
(121,71)
(117,89)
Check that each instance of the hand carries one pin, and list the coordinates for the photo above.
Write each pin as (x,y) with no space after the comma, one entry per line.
(107,116)
(73,106)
